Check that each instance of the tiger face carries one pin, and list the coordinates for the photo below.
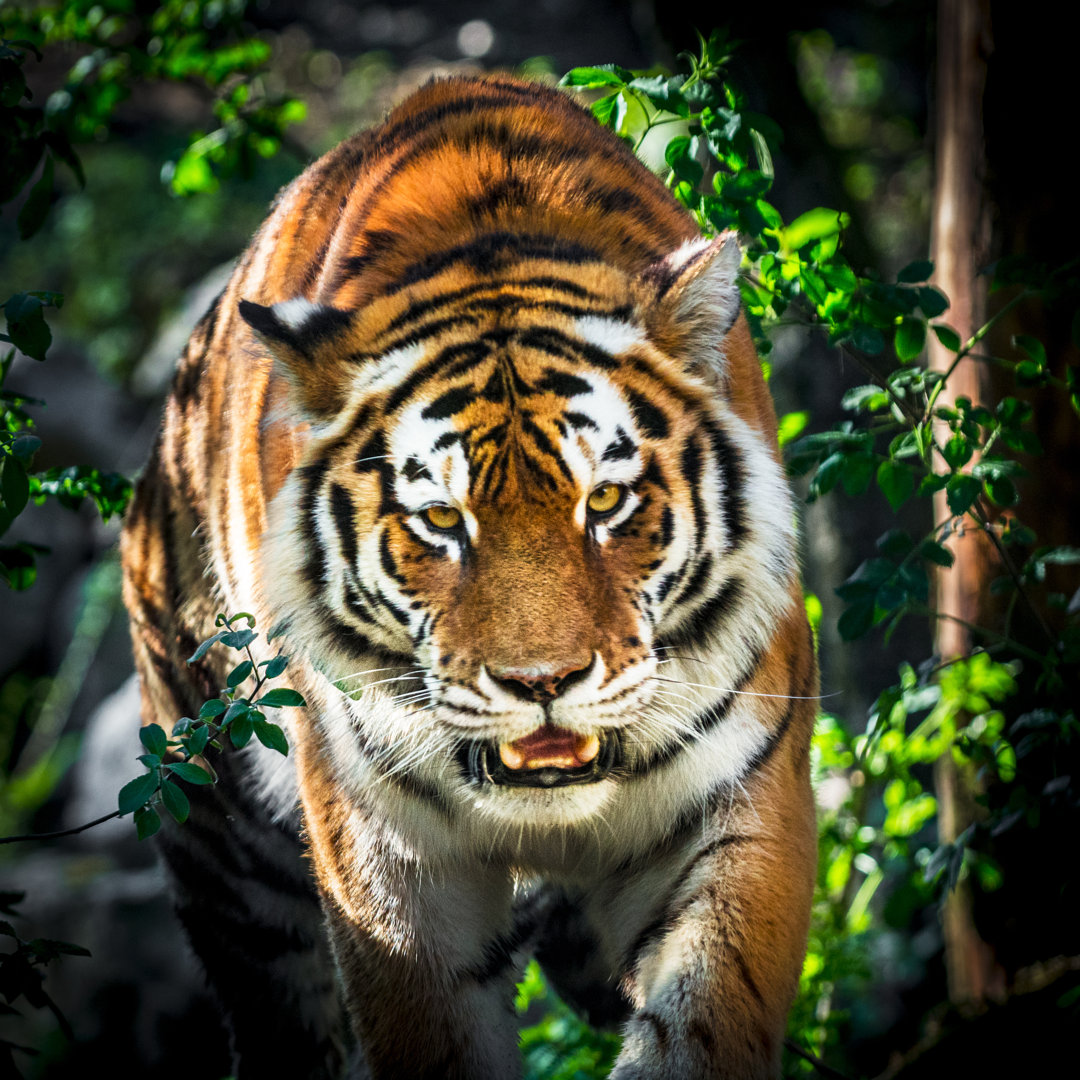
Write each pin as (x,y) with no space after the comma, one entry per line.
(514,500)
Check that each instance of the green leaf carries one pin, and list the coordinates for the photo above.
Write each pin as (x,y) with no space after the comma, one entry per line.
(26,326)
(916,271)
(936,553)
(238,675)
(857,471)
(192,174)
(276,666)
(679,155)
(14,487)
(897,482)
(271,735)
(210,709)
(189,771)
(25,447)
(910,338)
(932,302)
(36,207)
(957,451)
(241,728)
(605,109)
(870,397)
(202,650)
(961,491)
(238,639)
(1033,347)
(281,696)
(1001,491)
(238,707)
(153,737)
(175,801)
(791,426)
(137,792)
(602,75)
(197,740)
(663,92)
(947,336)
(813,225)
(867,339)
(856,621)
(147,822)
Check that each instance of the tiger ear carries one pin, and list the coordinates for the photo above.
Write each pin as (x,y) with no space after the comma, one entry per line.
(694,300)
(305,339)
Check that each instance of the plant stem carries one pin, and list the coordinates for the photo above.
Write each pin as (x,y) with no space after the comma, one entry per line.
(61,832)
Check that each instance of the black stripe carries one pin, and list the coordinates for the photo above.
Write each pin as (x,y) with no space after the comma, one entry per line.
(546,339)
(343,511)
(691,467)
(312,477)
(730,466)
(563,383)
(650,419)
(707,618)
(704,722)
(492,251)
(386,559)
(544,443)
(579,420)
(693,587)
(450,403)
(621,449)
(667,527)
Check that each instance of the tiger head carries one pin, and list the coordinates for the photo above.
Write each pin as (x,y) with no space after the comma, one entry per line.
(521,489)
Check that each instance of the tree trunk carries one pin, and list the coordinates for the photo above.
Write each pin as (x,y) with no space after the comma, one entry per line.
(959,246)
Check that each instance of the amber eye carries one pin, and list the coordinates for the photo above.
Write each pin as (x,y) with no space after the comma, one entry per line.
(606,498)
(444,518)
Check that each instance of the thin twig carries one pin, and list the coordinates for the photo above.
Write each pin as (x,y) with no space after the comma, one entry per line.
(61,832)
(821,1066)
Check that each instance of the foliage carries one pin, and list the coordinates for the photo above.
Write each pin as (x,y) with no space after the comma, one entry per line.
(560,1046)
(1001,714)
(201,43)
(183,756)
(21,976)
(28,332)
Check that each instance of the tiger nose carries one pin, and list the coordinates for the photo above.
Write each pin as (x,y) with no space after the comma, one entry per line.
(540,683)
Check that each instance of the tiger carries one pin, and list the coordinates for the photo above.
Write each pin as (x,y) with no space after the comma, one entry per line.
(478,426)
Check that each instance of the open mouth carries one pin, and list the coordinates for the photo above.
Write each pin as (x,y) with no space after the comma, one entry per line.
(548,757)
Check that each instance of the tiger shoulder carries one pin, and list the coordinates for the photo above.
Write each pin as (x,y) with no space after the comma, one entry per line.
(478,425)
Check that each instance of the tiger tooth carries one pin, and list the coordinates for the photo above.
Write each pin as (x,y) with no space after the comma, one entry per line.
(587,748)
(511,757)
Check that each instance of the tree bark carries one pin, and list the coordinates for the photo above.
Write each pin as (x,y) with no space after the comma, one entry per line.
(960,234)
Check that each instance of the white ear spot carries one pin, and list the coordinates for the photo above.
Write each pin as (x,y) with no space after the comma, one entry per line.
(297,311)
(613,336)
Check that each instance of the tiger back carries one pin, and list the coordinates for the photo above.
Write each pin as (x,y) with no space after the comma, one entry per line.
(477,425)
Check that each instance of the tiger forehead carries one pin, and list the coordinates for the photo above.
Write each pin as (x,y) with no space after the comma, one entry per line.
(516,412)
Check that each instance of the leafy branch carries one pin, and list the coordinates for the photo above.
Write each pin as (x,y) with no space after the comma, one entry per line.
(236,713)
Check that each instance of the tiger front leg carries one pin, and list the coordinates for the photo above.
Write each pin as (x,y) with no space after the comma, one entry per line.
(712,975)
(427,954)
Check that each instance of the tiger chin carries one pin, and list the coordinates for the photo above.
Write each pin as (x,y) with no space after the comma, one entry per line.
(478,424)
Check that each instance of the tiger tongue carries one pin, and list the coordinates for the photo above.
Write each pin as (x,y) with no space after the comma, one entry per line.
(549,747)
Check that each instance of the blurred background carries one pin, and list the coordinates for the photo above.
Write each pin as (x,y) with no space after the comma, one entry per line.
(851,86)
